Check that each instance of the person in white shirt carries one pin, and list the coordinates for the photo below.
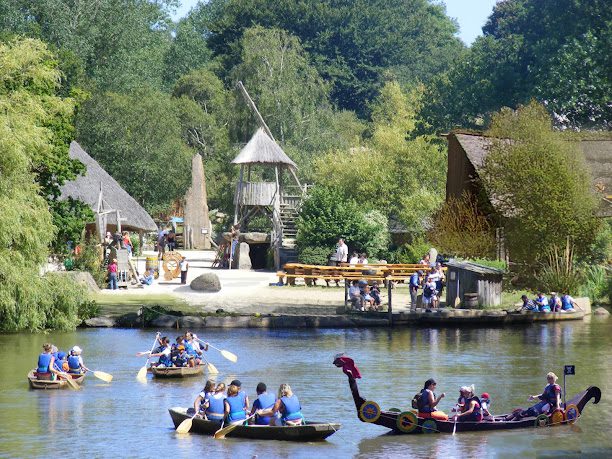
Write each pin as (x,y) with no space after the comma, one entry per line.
(184,267)
(354,259)
(363,259)
(341,252)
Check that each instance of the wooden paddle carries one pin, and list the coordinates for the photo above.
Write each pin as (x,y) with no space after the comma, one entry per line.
(457,299)
(103,376)
(142,373)
(185,426)
(71,382)
(211,368)
(222,432)
(227,354)
(455,424)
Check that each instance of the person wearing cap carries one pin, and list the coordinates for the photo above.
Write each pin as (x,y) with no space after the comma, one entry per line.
(550,397)
(60,362)
(428,401)
(242,394)
(264,401)
(75,361)
(112,274)
(470,408)
(415,283)
(485,403)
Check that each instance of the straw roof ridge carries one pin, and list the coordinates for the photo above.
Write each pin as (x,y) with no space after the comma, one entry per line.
(262,149)
(86,188)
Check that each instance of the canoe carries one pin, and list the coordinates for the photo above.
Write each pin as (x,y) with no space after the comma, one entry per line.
(57,384)
(177,372)
(311,431)
(407,422)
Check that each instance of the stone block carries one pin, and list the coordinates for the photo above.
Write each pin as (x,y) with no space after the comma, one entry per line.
(207,282)
(192,322)
(601,312)
(244,259)
(100,322)
(163,321)
(255,238)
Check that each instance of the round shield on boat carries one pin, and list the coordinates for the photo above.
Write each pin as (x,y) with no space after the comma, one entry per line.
(407,422)
(429,426)
(369,411)
(541,420)
(571,413)
(557,417)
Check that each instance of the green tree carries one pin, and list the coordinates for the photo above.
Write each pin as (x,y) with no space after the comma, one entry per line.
(537,182)
(139,140)
(28,79)
(392,171)
(556,51)
(352,44)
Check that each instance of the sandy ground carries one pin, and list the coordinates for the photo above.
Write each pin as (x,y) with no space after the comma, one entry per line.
(242,291)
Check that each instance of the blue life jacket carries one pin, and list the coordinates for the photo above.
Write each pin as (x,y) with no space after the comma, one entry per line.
(423,404)
(190,350)
(73,364)
(236,408)
(44,360)
(550,394)
(545,308)
(291,410)
(165,360)
(566,303)
(476,415)
(263,402)
(216,408)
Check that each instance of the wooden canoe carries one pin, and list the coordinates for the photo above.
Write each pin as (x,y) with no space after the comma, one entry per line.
(36,383)
(408,422)
(311,431)
(177,372)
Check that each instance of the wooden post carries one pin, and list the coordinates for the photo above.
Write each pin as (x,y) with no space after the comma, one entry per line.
(390,308)
(346,290)
(238,194)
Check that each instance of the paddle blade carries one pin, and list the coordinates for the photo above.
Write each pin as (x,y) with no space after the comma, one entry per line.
(142,375)
(185,426)
(103,376)
(457,302)
(212,369)
(221,433)
(71,382)
(229,356)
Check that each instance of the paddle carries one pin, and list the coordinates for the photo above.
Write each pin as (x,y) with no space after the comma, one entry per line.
(211,368)
(142,373)
(227,354)
(455,424)
(223,431)
(185,426)
(457,299)
(103,376)
(71,382)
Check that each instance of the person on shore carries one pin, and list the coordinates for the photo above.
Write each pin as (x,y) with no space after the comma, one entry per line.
(375,293)
(428,401)
(425,260)
(264,401)
(201,402)
(184,268)
(148,278)
(441,278)
(341,252)
(470,409)
(287,409)
(234,405)
(127,242)
(368,300)
(112,274)
(75,361)
(214,408)
(171,240)
(568,304)
(363,259)
(355,296)
(354,259)
(46,364)
(415,283)
(528,305)
(430,298)
(161,242)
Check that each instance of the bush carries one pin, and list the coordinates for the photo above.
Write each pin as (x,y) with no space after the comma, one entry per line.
(90,260)
(495,264)
(65,303)
(413,252)
(135,241)
(597,284)
(315,255)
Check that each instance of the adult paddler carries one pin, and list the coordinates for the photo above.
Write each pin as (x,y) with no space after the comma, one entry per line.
(235,410)
(264,401)
(288,406)
(551,396)
(46,364)
(242,394)
(469,406)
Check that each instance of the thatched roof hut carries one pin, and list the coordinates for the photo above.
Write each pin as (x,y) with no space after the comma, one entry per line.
(467,152)
(261,149)
(87,188)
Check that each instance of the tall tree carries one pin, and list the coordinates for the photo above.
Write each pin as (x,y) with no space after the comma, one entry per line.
(556,51)
(352,44)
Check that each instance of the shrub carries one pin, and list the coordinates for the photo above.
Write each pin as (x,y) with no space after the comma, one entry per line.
(90,260)
(496,264)
(135,241)
(315,255)
(413,252)
(596,284)
(65,303)
(560,274)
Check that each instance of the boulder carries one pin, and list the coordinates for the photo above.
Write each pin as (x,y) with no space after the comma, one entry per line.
(255,238)
(129,320)
(207,282)
(601,312)
(192,322)
(244,259)
(100,322)
(163,321)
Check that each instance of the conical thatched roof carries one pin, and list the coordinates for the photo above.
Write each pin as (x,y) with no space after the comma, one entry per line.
(86,188)
(263,150)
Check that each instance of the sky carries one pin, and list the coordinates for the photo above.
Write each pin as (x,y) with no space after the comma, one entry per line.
(471,15)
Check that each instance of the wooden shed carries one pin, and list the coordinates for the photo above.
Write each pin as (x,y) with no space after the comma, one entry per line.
(467,279)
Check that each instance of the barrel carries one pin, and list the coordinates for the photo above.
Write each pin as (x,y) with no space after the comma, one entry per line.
(152,263)
(470,300)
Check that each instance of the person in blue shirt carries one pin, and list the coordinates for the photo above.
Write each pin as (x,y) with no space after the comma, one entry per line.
(528,305)
(288,408)
(568,304)
(542,302)
(264,401)
(415,283)
(148,278)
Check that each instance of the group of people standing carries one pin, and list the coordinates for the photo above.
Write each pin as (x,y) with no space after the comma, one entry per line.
(215,404)
(431,282)
(53,363)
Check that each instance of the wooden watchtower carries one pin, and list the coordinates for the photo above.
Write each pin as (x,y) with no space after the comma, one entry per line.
(278,197)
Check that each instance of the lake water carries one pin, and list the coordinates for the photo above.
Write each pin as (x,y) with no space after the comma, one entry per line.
(128,419)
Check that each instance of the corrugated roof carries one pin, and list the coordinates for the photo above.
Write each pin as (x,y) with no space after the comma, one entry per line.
(263,150)
(86,188)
